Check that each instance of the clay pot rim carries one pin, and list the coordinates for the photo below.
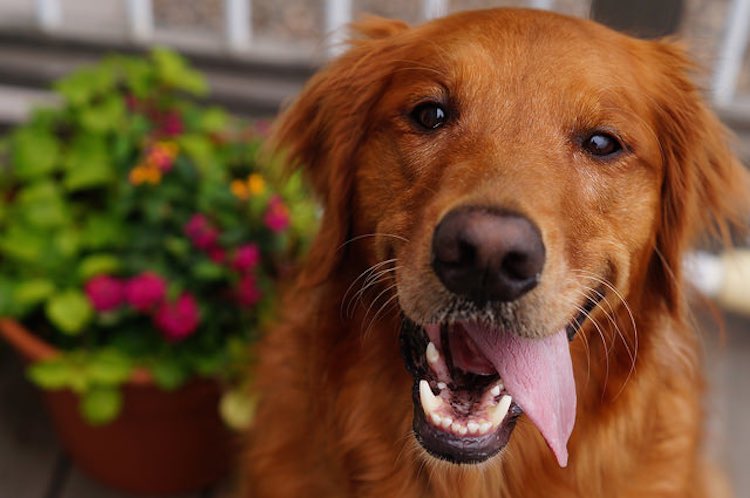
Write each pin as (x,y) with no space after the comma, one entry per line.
(34,349)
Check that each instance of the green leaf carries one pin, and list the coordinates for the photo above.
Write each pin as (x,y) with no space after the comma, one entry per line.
(101,405)
(35,153)
(169,374)
(23,244)
(70,311)
(237,408)
(173,71)
(105,116)
(208,271)
(32,292)
(42,205)
(7,307)
(109,367)
(51,374)
(88,163)
(102,231)
(213,119)
(200,150)
(98,264)
(87,83)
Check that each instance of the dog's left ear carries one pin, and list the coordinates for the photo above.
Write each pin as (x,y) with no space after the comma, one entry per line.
(322,129)
(704,188)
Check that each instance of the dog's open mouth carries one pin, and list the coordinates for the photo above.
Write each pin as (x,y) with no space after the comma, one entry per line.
(472,382)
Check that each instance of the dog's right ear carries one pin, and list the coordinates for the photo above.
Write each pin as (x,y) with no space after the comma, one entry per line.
(323,128)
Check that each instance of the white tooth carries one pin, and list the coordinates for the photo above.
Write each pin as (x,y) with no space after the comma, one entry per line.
(442,385)
(436,419)
(447,422)
(473,427)
(433,356)
(461,430)
(500,411)
(495,391)
(430,402)
(455,426)
(485,427)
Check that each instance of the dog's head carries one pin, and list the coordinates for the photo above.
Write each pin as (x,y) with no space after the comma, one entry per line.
(506,171)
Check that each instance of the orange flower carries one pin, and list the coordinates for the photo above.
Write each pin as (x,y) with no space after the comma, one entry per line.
(145,173)
(256,184)
(239,189)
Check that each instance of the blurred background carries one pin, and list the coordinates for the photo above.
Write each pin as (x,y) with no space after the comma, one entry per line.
(257,54)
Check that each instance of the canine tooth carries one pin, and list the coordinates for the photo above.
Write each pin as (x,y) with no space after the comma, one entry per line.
(433,356)
(430,402)
(501,410)
(436,419)
(496,391)
(447,422)
(485,427)
(442,385)
(473,427)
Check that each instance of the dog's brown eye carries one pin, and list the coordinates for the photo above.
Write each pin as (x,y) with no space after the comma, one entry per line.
(429,115)
(602,145)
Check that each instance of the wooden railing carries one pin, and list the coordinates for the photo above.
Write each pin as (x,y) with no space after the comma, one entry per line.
(238,30)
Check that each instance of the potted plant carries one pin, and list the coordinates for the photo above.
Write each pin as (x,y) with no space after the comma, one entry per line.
(140,243)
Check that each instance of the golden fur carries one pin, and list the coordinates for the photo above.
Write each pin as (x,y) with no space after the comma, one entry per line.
(335,413)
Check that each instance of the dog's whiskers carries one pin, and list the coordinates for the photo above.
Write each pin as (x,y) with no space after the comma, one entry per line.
(366,275)
(632,353)
(374,234)
(372,281)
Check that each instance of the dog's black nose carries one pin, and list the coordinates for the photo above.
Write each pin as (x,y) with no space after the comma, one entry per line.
(487,255)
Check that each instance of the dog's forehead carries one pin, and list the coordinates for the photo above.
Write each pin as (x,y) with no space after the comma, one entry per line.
(509,45)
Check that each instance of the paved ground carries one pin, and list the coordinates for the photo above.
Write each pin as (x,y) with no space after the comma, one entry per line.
(33,466)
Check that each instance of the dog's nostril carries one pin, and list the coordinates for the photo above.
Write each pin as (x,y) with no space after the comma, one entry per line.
(519,266)
(487,255)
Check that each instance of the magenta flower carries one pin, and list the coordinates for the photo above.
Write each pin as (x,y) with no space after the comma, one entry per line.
(246,257)
(217,254)
(277,215)
(200,231)
(105,293)
(179,319)
(247,290)
(171,123)
(145,292)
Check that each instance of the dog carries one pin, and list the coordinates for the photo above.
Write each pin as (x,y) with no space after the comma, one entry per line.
(494,303)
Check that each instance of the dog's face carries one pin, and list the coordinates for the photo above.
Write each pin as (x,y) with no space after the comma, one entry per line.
(514,169)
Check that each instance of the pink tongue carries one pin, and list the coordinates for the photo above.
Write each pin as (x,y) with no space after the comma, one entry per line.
(538,374)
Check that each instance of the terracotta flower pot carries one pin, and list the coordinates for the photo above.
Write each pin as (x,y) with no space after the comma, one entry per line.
(161,443)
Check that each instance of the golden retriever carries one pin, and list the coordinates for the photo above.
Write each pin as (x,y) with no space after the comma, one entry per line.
(493,305)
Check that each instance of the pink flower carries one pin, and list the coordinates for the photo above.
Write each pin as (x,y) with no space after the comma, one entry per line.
(277,215)
(179,319)
(247,290)
(217,254)
(171,123)
(200,231)
(246,257)
(105,293)
(146,291)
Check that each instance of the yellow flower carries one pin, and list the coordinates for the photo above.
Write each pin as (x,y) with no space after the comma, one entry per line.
(256,184)
(239,189)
